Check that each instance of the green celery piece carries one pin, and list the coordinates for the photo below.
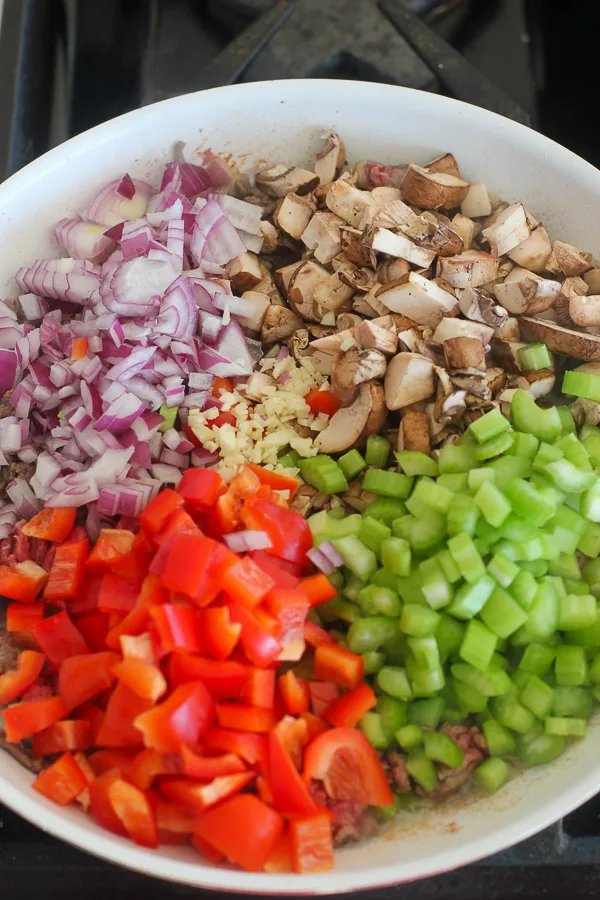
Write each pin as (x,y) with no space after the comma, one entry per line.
(529,503)
(456,482)
(386,509)
(373,533)
(443,749)
(537,748)
(374,661)
(436,589)
(492,683)
(418,621)
(456,458)
(426,713)
(494,447)
(449,635)
(413,462)
(169,414)
(448,566)
(568,477)
(511,713)
(492,774)
(566,727)
(502,614)
(393,681)
(379,601)
(533,357)
(570,665)
(524,445)
(500,740)
(478,646)
(581,384)
(469,698)
(377,451)
(371,633)
(427,684)
(357,557)
(462,516)
(502,570)
(476,477)
(547,453)
(421,769)
(466,557)
(590,503)
(351,463)
(489,426)
(529,418)
(543,615)
(384,578)
(566,566)
(425,652)
(589,542)
(576,611)
(471,598)
(396,555)
(567,420)
(492,504)
(537,659)
(572,701)
(575,452)
(393,714)
(371,727)
(537,697)
(433,495)
(387,484)
(410,736)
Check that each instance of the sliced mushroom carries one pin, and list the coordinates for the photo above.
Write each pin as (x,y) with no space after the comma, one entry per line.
(508,330)
(284,275)
(445,163)
(347,321)
(322,236)
(538,383)
(592,279)
(279,324)
(245,272)
(464,355)
(301,349)
(453,327)
(508,231)
(282,180)
(478,306)
(361,280)
(301,289)
(362,308)
(331,294)
(574,286)
(525,292)
(270,237)
(392,270)
(578,344)
(432,190)
(566,259)
(476,201)
(294,214)
(414,432)
(267,286)
(409,378)
(418,299)
(506,354)
(438,237)
(471,268)
(357,366)
(355,249)
(388,214)
(347,202)
(372,336)
(385,194)
(384,241)
(494,215)
(378,415)
(533,253)
(495,379)
(466,229)
(585,311)
(347,424)
(331,158)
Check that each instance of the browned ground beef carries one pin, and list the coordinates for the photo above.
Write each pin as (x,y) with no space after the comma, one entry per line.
(9,651)
(18,548)
(15,469)
(351,821)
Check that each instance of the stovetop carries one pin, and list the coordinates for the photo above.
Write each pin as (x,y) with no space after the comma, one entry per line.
(66,65)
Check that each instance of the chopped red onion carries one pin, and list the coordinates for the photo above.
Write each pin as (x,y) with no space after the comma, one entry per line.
(246,541)
(202,458)
(333,555)
(112,205)
(34,307)
(23,497)
(83,240)
(166,474)
(322,562)
(171,458)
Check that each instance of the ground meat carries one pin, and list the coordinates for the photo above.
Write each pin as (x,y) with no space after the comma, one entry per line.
(6,408)
(351,821)
(18,548)
(394,764)
(22,753)
(41,690)
(15,469)
(472,743)
(9,652)
(379,175)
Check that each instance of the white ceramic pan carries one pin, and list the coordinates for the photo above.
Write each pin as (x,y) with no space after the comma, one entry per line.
(281,121)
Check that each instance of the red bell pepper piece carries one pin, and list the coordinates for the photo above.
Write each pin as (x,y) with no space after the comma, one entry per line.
(51,524)
(112,545)
(67,572)
(134,811)
(94,629)
(63,781)
(201,488)
(315,635)
(181,719)
(322,402)
(243,829)
(178,627)
(290,794)
(118,595)
(21,617)
(348,766)
(220,633)
(205,768)
(154,516)
(212,584)
(259,688)
(312,843)
(16,682)
(260,647)
(149,764)
(25,719)
(289,532)
(290,608)
(221,384)
(59,638)
(117,760)
(348,709)
(245,718)
(189,555)
(275,568)
(79,347)
(314,725)
(317,588)
(101,806)
(280,860)
(198,796)
(274,480)
(69,734)
(223,680)
(247,583)
(81,678)
(322,695)
(87,597)
(294,736)
(294,692)
(225,516)
(334,663)
(139,646)
(117,729)
(22,582)
(251,747)
(170,817)
(94,716)
(143,678)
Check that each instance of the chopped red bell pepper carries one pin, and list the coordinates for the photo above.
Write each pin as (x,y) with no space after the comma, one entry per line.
(51,524)
(314,725)
(274,480)
(94,629)
(245,718)
(274,567)
(15,682)
(22,582)
(346,763)
(83,677)
(115,759)
(21,617)
(59,638)
(134,623)
(63,781)
(79,348)
(251,747)
(243,829)
(247,583)
(312,844)
(154,516)
(205,768)
(316,636)
(245,484)
(143,678)
(289,532)
(348,709)
(322,695)
(139,646)
(221,384)
(118,595)
(101,806)
(260,647)
(222,679)
(225,516)
(181,719)
(69,734)
(87,597)
(201,488)
(290,607)
(24,719)
(290,794)
(185,565)
(148,764)
(294,692)
(172,818)
(94,716)
(220,633)
(317,588)
(68,571)
(280,860)
(322,402)
(112,545)
(333,663)
(259,688)
(198,796)
(177,627)
(123,709)
(294,736)
(134,811)
(212,584)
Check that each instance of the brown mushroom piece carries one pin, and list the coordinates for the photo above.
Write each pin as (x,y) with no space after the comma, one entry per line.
(445,163)
(279,324)
(388,214)
(382,240)
(440,237)
(409,378)
(270,237)
(294,214)
(592,279)
(453,327)
(282,180)
(330,159)
(509,230)
(476,201)
(539,383)
(566,259)
(284,275)
(372,336)
(300,348)
(418,299)
(377,416)
(585,311)
(355,249)
(301,289)
(478,306)
(414,431)
(332,295)
(578,344)
(392,270)
(347,425)
(322,236)
(464,355)
(347,202)
(466,229)
(534,252)
(508,330)
(524,292)
(357,366)
(469,269)
(244,272)
(432,190)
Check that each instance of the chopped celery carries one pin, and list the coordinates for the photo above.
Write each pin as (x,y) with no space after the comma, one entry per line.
(511,713)
(566,727)
(413,462)
(590,503)
(492,683)
(568,477)
(466,557)
(385,509)
(494,447)
(492,774)
(371,727)
(410,736)
(533,357)
(478,646)
(425,652)
(449,635)
(432,494)
(570,665)
(576,611)
(524,445)
(374,661)
(357,557)
(566,566)
(353,586)
(384,578)
(426,684)
(529,418)
(436,589)
(581,384)
(489,426)
(379,601)
(392,713)
(492,504)
(370,633)
(421,769)
(469,698)
(537,659)
(351,463)
(338,608)
(456,482)
(537,696)
(499,739)
(546,454)
(462,516)
(575,452)
(528,502)
(476,477)
(372,534)
(393,681)
(502,570)
(448,566)
(443,749)
(471,598)
(324,474)
(387,484)
(396,555)
(426,713)
(502,614)
(543,615)
(538,748)
(589,541)
(455,458)
(572,701)
(377,451)
(418,621)
(507,468)
(424,533)
(567,420)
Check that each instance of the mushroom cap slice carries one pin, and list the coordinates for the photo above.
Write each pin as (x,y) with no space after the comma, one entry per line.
(469,269)
(347,424)
(322,236)
(578,344)
(409,378)
(585,311)
(534,252)
(384,241)
(451,327)
(478,306)
(466,229)
(476,201)
(419,299)
(464,354)
(281,180)
(446,163)
(414,431)
(567,259)
(525,292)
(377,417)
(432,190)
(331,158)
(539,383)
(294,214)
(279,324)
(357,366)
(301,289)
(348,202)
(509,230)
